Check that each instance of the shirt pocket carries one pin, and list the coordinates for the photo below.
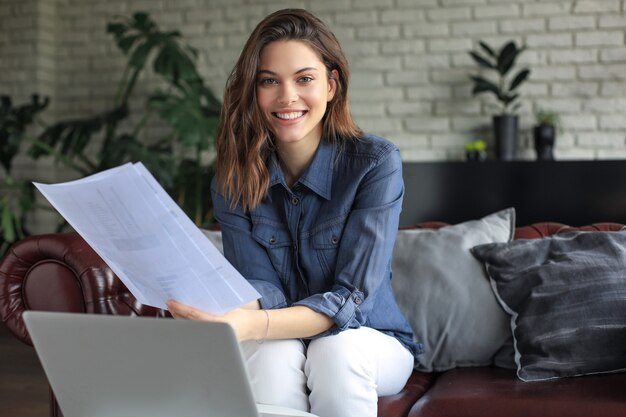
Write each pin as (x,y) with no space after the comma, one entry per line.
(278,244)
(325,242)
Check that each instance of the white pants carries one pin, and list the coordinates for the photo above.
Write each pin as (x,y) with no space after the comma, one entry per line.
(340,375)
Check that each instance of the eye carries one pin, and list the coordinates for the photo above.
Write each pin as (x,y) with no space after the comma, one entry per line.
(306,79)
(268,81)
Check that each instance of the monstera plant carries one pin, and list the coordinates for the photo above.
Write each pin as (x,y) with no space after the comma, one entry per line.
(16,195)
(184,103)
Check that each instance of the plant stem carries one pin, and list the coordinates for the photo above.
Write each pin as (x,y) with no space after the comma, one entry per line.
(198,209)
(142,122)
(65,160)
(120,87)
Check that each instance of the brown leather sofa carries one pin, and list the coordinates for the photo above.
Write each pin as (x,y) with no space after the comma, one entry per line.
(60,272)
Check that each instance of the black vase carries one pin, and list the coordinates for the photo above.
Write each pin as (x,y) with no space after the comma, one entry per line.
(505,133)
(544,142)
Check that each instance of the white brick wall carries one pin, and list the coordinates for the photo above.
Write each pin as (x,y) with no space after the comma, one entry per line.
(409,61)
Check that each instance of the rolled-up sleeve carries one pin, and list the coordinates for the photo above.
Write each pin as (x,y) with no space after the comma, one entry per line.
(366,246)
(245,254)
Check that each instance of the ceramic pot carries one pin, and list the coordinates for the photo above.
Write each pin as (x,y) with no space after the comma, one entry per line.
(505,134)
(544,136)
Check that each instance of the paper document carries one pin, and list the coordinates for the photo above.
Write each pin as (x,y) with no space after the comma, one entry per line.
(148,241)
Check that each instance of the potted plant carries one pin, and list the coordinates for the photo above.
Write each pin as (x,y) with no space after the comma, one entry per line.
(504,87)
(476,150)
(17,198)
(544,133)
(186,105)
(177,158)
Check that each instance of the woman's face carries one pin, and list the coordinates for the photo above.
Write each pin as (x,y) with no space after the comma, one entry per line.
(293,90)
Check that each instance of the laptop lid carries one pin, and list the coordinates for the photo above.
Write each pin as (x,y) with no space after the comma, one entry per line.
(104,366)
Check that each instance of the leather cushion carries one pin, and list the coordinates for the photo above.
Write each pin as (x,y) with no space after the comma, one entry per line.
(494,392)
(400,403)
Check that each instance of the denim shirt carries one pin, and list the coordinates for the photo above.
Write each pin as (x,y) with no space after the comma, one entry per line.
(327,242)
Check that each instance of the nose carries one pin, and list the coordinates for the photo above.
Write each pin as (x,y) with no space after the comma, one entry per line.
(287,94)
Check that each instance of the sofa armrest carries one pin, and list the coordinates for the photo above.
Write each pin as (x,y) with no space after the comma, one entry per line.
(60,272)
(400,404)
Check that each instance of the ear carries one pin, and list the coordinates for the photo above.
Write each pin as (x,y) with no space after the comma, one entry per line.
(332,84)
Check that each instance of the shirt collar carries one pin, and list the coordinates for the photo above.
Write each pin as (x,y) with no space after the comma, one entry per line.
(318,176)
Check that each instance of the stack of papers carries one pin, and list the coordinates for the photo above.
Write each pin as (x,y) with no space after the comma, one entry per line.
(148,241)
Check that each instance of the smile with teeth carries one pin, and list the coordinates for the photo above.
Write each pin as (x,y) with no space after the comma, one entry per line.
(290,116)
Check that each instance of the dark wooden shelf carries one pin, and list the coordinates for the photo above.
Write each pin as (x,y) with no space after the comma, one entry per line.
(571,192)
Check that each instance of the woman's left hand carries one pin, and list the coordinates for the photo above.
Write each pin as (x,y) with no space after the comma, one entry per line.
(245,321)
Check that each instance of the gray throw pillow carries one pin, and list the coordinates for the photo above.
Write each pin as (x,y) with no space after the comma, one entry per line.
(215,236)
(566,296)
(444,292)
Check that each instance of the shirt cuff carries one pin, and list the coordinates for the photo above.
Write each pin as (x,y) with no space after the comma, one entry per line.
(340,305)
(271,296)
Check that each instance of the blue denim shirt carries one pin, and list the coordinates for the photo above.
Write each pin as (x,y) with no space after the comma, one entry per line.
(326,243)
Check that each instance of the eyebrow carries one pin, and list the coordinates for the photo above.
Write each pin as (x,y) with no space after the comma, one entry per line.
(264,71)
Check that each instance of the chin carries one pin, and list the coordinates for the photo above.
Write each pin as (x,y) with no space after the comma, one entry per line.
(290,138)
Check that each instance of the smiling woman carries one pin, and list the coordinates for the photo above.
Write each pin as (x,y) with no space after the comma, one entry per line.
(294,100)
(309,209)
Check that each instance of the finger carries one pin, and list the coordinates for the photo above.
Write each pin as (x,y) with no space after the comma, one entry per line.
(178,310)
(184,311)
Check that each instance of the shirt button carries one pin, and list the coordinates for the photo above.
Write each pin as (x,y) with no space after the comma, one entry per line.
(334,239)
(295,201)
(272,240)
(357,300)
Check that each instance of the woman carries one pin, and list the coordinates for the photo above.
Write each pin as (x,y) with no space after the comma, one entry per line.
(309,207)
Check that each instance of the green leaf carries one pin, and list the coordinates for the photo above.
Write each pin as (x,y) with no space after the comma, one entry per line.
(508,99)
(142,21)
(483,62)
(487,49)
(8,230)
(482,85)
(174,64)
(71,138)
(126,43)
(507,57)
(194,124)
(140,55)
(117,29)
(14,122)
(191,180)
(172,34)
(519,78)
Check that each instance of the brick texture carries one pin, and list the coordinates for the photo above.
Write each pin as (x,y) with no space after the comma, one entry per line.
(409,62)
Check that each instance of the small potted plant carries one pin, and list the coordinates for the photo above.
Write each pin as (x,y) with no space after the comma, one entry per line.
(548,124)
(504,87)
(476,150)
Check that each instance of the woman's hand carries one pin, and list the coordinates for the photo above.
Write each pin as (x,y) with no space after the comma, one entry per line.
(251,323)
(248,321)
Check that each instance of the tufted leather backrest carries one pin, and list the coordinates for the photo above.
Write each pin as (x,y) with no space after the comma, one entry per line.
(539,230)
(60,272)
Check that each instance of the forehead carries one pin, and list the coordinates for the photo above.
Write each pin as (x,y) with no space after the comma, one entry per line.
(289,55)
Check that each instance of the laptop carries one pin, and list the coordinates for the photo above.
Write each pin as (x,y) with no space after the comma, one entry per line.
(105,366)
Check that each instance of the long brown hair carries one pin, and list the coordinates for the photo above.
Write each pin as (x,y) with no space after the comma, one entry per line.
(244,142)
